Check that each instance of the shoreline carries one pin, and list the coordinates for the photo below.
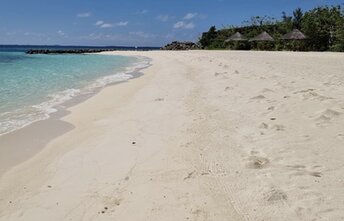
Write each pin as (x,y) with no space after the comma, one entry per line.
(58,99)
(36,135)
(202,135)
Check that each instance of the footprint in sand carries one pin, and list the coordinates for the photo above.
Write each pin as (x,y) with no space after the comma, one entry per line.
(276,195)
(307,173)
(316,174)
(331,113)
(304,91)
(218,74)
(278,127)
(258,162)
(310,94)
(254,152)
(301,170)
(267,90)
(264,126)
(297,166)
(199,214)
(229,88)
(259,97)
(271,108)
(186,144)
(326,116)
(314,95)
(340,136)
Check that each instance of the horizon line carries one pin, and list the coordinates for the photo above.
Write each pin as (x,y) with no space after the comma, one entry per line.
(58,45)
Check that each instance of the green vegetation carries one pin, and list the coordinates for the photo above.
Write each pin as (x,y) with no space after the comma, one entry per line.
(323,26)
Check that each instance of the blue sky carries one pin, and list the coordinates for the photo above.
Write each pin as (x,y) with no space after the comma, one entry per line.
(129,22)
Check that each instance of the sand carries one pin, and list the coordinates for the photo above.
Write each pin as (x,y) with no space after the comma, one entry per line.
(203,135)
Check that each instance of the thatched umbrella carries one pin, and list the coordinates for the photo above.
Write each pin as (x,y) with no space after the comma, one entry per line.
(264,36)
(295,34)
(237,37)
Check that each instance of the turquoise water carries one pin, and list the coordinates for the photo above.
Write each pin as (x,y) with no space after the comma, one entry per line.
(31,86)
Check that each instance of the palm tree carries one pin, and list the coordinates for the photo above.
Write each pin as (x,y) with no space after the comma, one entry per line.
(298,15)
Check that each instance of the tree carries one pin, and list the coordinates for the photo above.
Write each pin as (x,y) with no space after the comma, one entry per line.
(338,34)
(286,24)
(286,18)
(323,27)
(208,37)
(260,21)
(298,15)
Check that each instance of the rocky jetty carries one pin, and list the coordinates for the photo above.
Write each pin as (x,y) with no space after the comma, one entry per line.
(69,51)
(180,46)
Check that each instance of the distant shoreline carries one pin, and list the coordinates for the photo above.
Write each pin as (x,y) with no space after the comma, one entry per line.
(70,47)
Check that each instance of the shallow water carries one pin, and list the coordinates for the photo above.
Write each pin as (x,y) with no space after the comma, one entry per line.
(32,85)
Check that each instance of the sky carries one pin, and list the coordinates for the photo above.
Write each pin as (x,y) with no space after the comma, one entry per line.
(130,22)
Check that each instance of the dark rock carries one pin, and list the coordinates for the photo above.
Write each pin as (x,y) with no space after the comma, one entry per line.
(70,51)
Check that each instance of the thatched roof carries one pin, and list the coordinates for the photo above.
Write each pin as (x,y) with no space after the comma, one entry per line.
(296,34)
(237,37)
(263,37)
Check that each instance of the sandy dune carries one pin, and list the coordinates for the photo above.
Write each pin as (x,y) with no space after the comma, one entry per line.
(203,135)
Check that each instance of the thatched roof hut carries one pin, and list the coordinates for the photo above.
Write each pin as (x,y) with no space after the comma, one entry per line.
(237,37)
(295,34)
(264,36)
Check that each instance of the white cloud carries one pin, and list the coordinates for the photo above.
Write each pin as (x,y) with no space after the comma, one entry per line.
(103,24)
(98,23)
(122,23)
(84,15)
(189,16)
(184,25)
(106,25)
(61,33)
(163,18)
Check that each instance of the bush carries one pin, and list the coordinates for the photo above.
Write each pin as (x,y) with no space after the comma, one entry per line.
(323,26)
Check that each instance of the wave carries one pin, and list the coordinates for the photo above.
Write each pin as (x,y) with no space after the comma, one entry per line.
(14,120)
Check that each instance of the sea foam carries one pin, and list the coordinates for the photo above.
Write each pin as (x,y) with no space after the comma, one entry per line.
(25,115)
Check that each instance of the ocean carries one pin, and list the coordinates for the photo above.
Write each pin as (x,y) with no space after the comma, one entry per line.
(33,86)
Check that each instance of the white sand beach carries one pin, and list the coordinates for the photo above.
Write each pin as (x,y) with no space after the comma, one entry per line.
(202,135)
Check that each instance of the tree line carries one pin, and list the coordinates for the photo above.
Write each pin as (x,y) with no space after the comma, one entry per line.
(323,27)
